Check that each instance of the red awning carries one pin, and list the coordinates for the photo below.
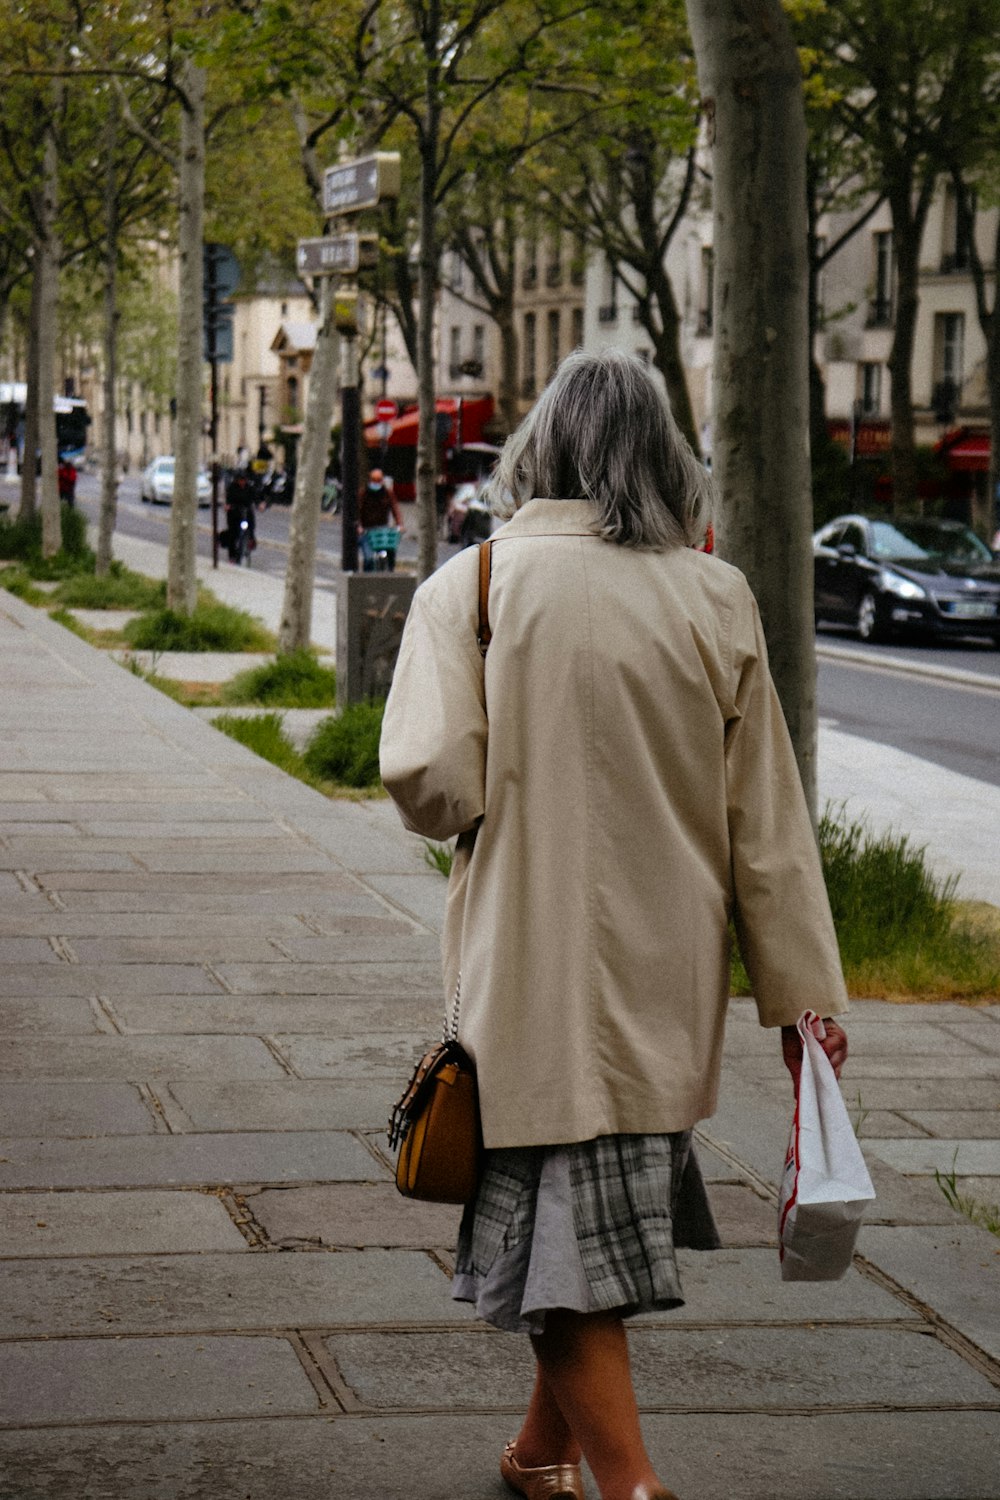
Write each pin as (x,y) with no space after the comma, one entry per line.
(476,412)
(965,451)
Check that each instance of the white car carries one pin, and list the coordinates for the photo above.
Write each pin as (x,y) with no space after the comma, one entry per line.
(157,484)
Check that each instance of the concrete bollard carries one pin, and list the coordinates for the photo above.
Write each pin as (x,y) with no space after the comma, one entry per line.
(371,613)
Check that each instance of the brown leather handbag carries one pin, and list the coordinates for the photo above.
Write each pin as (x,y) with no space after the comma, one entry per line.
(436,1127)
(435,1123)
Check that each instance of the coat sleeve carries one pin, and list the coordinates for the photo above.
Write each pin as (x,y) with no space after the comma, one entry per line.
(433,748)
(782,913)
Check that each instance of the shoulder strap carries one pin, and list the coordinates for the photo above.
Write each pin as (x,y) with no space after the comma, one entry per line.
(484,634)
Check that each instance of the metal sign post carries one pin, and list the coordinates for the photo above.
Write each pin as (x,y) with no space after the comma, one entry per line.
(350,421)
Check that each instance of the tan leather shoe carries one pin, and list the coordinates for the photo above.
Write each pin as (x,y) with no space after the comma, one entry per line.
(549,1482)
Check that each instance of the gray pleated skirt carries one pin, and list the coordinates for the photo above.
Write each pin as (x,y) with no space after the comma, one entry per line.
(590,1227)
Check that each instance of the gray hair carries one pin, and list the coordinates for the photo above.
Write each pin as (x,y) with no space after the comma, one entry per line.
(602,431)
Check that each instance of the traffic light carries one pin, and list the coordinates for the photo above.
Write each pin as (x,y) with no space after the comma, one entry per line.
(221,273)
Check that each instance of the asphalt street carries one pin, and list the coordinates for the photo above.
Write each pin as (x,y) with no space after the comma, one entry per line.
(954,726)
(950,725)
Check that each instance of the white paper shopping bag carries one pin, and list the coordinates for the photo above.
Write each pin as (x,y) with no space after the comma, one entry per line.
(825,1185)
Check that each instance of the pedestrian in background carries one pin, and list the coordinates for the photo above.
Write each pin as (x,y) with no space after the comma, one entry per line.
(621,783)
(66,480)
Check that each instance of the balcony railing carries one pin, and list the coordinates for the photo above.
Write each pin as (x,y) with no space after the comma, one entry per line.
(956,260)
(554,274)
(529,277)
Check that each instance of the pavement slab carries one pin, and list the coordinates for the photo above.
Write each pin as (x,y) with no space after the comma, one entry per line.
(385,1055)
(50,1110)
(186,1160)
(352,1215)
(35,1015)
(955,1269)
(205,1014)
(93,979)
(219,1291)
(135,1058)
(292,1104)
(102,1380)
(374,978)
(978,1158)
(745,1286)
(956,1124)
(724,1369)
(53,1224)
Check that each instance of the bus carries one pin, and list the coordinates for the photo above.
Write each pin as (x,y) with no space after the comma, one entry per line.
(72,421)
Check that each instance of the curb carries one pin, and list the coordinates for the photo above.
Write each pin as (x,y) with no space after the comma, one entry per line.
(856,657)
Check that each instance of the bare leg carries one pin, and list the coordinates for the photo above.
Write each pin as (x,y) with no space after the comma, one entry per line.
(584,1359)
(545,1437)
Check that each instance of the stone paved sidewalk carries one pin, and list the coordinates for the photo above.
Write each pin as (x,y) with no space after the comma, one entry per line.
(212,983)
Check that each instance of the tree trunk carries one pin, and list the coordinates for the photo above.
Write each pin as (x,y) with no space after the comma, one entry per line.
(509,362)
(29,483)
(109,472)
(427,446)
(666,339)
(296,613)
(182,581)
(751,83)
(988,520)
(48,266)
(906,240)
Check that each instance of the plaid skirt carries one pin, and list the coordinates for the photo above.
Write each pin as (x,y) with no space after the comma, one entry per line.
(590,1227)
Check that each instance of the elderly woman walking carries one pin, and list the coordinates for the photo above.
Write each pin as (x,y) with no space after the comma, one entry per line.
(620,780)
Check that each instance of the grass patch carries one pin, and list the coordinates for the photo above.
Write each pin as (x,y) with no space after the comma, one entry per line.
(439,856)
(17,581)
(119,589)
(295,680)
(901,933)
(264,734)
(212,626)
(21,541)
(985,1215)
(345,749)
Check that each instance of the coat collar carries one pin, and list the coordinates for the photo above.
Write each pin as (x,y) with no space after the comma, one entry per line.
(552,518)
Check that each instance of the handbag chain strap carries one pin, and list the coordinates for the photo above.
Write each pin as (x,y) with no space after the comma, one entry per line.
(450,1033)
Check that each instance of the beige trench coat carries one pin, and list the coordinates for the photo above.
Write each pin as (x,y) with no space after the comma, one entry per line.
(622,781)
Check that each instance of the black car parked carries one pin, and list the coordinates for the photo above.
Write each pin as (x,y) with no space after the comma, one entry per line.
(906,576)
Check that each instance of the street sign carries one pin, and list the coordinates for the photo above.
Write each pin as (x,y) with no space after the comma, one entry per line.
(342,253)
(385,410)
(353,185)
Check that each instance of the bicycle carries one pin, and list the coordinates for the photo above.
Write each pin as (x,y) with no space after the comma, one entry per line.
(378,548)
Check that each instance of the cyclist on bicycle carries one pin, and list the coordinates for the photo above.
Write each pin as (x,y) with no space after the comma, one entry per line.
(376,504)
